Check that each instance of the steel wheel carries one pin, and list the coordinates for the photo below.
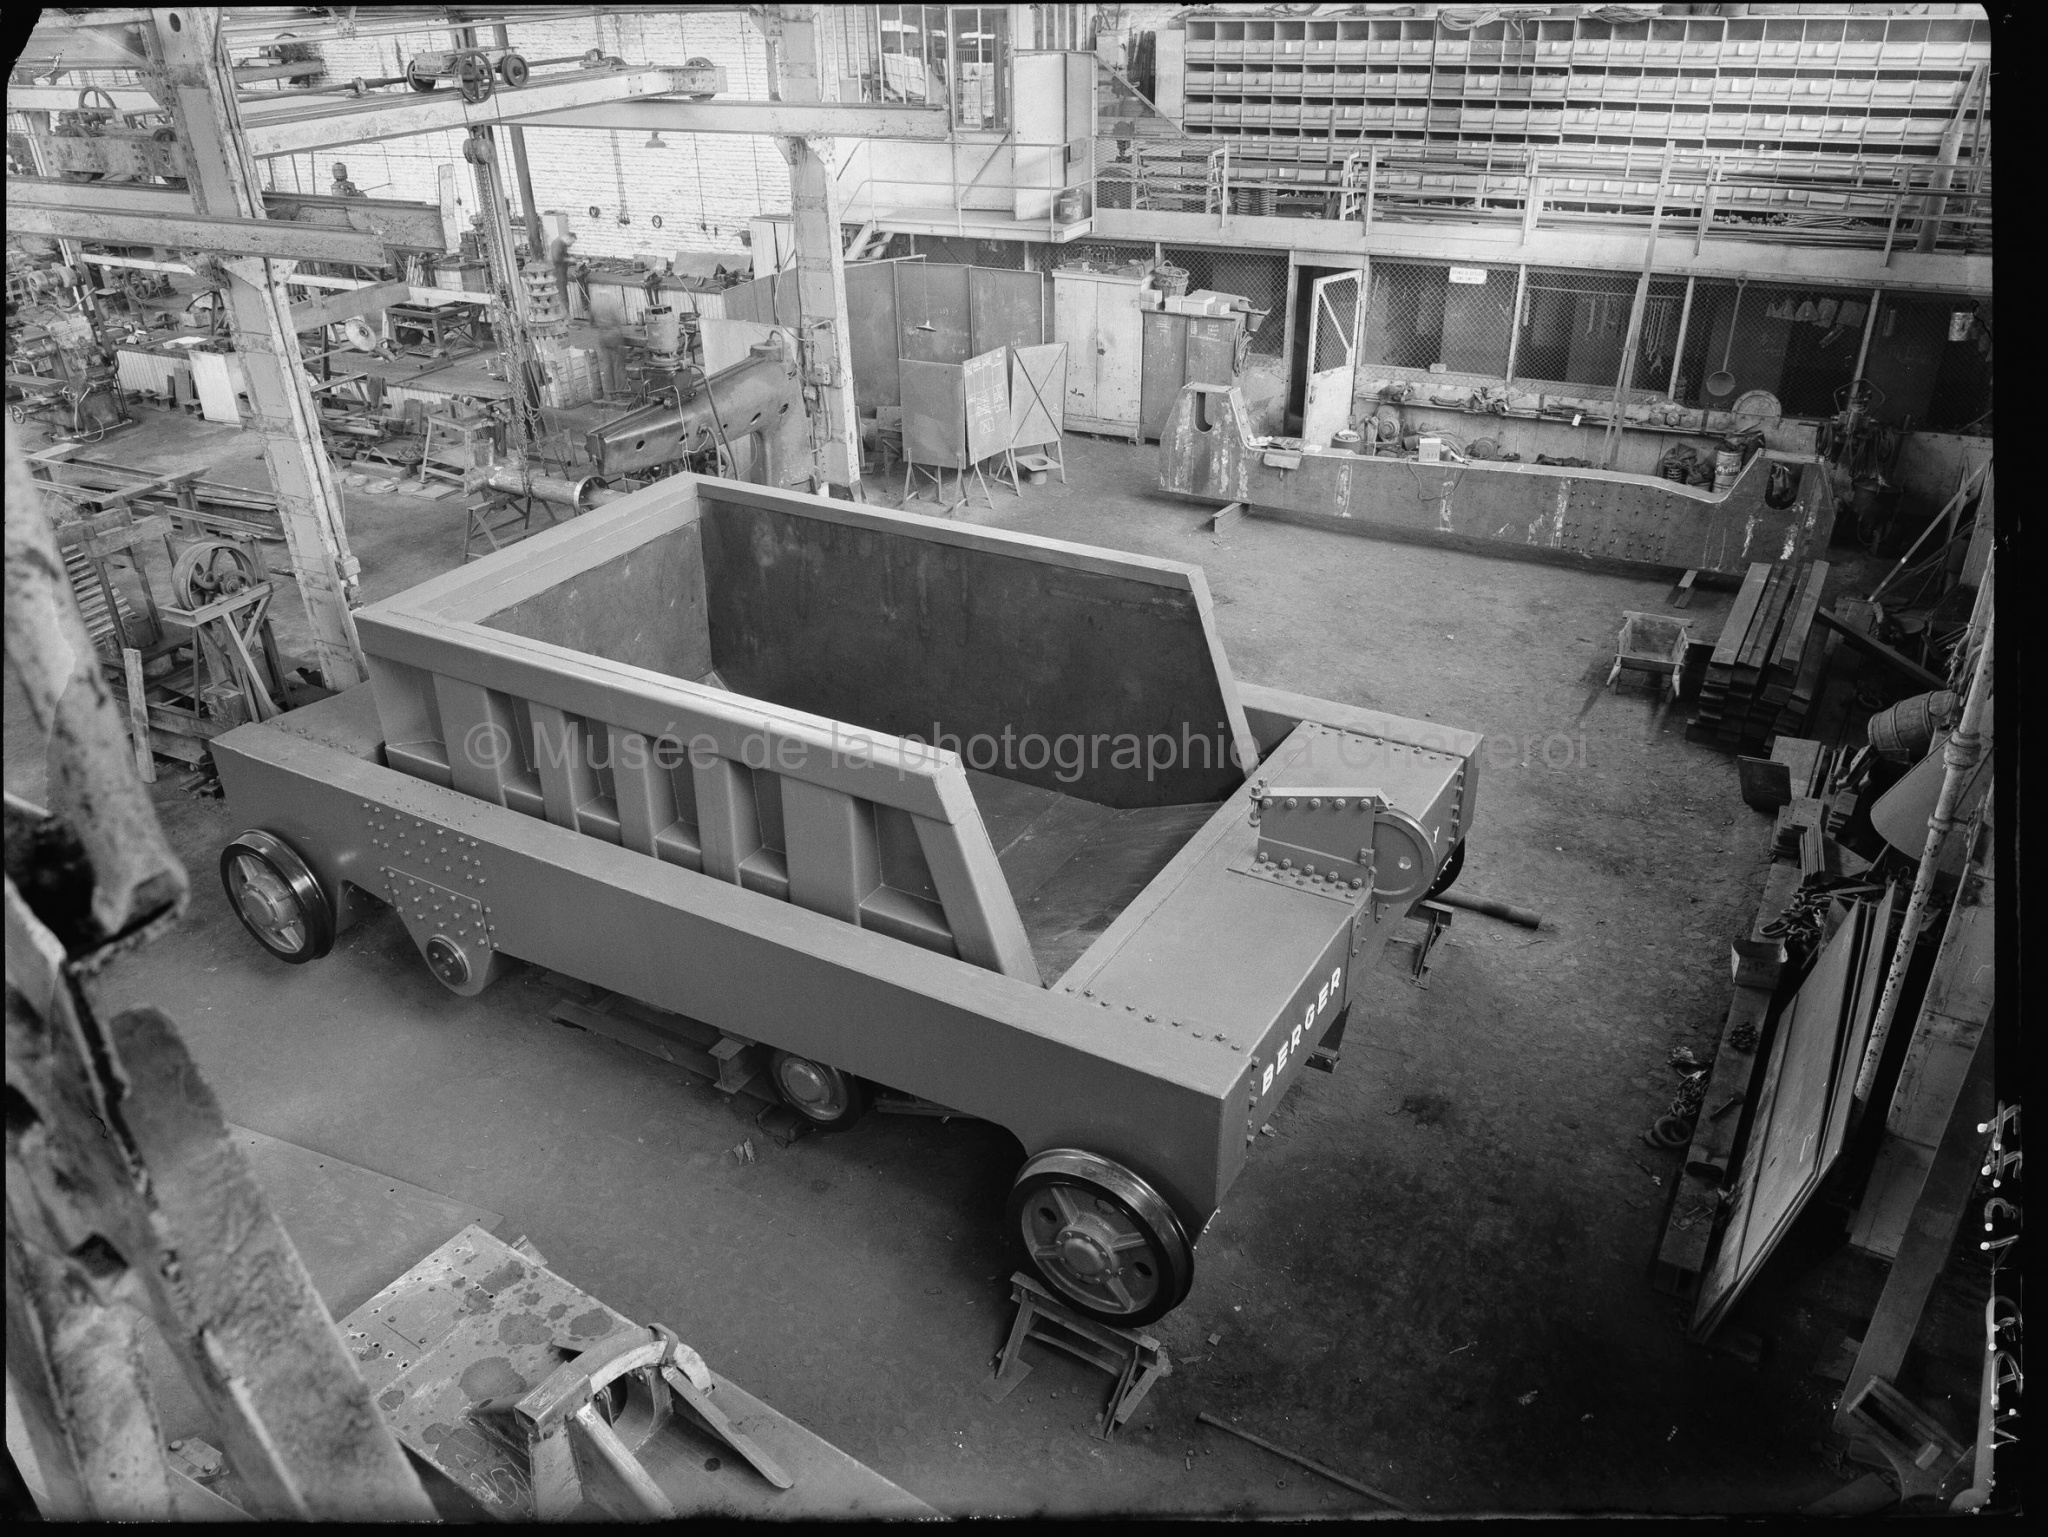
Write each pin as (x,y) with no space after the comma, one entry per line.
(277,897)
(417,80)
(1101,1237)
(1449,873)
(829,1099)
(512,69)
(476,79)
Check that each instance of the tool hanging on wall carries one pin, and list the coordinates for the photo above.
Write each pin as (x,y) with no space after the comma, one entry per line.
(1721,382)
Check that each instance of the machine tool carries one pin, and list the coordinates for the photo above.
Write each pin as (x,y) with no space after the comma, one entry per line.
(885,801)
(749,419)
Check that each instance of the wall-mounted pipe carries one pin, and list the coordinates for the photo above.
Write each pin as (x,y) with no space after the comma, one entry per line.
(1959,758)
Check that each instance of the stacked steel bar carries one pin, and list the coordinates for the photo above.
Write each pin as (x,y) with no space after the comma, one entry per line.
(1763,675)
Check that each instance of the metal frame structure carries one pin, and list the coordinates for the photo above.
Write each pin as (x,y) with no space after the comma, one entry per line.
(509,796)
(181,59)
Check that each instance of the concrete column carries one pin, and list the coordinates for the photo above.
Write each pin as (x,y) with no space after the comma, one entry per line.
(199,90)
(821,301)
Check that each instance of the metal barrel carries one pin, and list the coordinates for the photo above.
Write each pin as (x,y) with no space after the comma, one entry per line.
(1904,732)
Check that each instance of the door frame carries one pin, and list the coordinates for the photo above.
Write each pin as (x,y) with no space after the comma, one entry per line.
(1293,354)
(1352,344)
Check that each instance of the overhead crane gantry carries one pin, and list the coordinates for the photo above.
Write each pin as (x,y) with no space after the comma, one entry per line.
(180,56)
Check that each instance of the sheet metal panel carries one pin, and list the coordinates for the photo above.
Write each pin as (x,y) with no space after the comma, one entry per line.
(1789,1148)
(871,339)
(1005,309)
(150,371)
(934,322)
(914,625)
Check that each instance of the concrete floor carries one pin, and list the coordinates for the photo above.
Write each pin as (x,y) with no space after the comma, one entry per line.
(1431,1275)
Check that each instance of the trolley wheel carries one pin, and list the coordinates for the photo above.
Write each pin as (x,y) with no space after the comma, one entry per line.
(417,80)
(277,897)
(829,1099)
(512,70)
(700,63)
(1105,1240)
(476,78)
(1452,865)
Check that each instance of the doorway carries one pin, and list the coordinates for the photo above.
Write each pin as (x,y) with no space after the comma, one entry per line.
(1325,326)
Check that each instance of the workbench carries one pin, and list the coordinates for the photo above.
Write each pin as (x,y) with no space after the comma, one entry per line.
(442,324)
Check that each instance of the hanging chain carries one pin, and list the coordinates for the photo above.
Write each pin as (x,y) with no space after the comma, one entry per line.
(514,345)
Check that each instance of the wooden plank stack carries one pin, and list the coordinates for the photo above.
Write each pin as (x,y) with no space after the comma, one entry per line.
(1766,668)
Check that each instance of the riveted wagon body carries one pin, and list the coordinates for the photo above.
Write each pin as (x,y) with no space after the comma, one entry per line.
(978,817)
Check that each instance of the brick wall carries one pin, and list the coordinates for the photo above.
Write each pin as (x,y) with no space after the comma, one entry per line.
(703,187)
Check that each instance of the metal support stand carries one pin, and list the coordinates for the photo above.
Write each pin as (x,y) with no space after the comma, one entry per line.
(510,529)
(1136,1360)
(1435,918)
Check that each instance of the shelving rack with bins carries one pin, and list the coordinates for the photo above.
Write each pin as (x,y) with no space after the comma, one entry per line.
(1319,88)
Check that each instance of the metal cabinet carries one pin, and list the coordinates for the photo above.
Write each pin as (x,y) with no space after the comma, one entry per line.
(1097,315)
(1178,350)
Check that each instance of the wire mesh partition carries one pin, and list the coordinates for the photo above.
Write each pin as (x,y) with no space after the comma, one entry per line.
(1333,321)
(1796,343)
(1930,364)
(1104,254)
(1657,345)
(1259,276)
(970,252)
(1929,358)
(1573,326)
(1446,319)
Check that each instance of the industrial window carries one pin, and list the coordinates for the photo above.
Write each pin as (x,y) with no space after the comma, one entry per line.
(955,55)
(1065,27)
(981,53)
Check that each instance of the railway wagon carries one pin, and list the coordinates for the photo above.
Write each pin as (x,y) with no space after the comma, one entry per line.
(956,815)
